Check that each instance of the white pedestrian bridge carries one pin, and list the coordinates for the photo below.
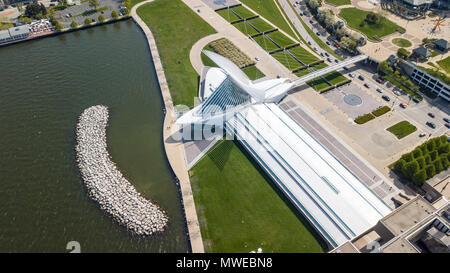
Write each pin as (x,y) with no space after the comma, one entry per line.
(336,203)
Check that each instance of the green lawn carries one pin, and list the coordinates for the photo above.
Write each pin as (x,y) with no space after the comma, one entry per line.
(245,28)
(253,73)
(280,39)
(445,64)
(333,77)
(243,12)
(354,17)
(339,2)
(265,43)
(174,39)
(401,42)
(303,55)
(260,24)
(285,59)
(241,210)
(402,129)
(228,15)
(302,72)
(5,26)
(269,10)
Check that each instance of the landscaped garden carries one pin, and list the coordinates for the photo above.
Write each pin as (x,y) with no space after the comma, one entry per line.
(401,42)
(260,24)
(241,210)
(265,43)
(425,161)
(280,39)
(174,39)
(303,55)
(245,28)
(228,15)
(285,59)
(402,129)
(379,26)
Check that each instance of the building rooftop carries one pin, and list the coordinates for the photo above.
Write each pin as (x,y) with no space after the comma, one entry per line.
(407,215)
(422,51)
(442,43)
(19,30)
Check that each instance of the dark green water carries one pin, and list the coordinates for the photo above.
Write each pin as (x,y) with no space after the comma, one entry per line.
(44,87)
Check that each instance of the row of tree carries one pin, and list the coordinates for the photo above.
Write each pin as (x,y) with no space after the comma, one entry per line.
(100,18)
(326,18)
(425,161)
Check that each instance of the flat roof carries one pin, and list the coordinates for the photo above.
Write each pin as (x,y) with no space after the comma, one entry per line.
(407,215)
(337,203)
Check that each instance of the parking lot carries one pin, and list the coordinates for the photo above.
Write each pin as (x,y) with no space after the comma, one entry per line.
(77,10)
(352,100)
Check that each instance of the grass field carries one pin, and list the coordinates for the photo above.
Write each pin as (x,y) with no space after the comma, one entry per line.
(174,39)
(445,64)
(245,28)
(253,72)
(339,2)
(5,26)
(354,17)
(265,43)
(243,12)
(280,39)
(401,42)
(303,55)
(260,24)
(228,15)
(239,210)
(319,84)
(402,129)
(285,59)
(269,10)
(302,72)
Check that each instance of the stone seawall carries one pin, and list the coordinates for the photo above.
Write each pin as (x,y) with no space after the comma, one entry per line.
(106,184)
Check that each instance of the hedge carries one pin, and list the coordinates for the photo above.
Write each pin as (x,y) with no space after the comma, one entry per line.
(364,118)
(382,110)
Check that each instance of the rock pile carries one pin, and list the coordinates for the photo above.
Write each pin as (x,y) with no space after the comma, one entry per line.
(105,184)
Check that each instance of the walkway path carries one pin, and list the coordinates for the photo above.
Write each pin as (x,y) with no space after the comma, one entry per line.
(174,150)
(196,50)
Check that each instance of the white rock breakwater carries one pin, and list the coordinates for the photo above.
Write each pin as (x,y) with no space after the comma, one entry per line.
(105,184)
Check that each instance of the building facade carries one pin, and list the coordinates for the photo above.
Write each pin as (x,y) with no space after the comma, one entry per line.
(14,33)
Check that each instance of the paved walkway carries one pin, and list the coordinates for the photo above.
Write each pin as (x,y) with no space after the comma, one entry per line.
(174,150)
(196,50)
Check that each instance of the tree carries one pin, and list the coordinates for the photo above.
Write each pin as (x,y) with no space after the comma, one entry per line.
(444,148)
(407,157)
(433,155)
(444,161)
(421,161)
(114,14)
(438,165)
(101,18)
(87,21)
(372,18)
(419,178)
(93,3)
(35,10)
(399,165)
(411,168)
(431,170)
(73,24)
(348,44)
(58,26)
(403,53)
(417,153)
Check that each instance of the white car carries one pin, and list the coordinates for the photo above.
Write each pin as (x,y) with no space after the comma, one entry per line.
(256,58)
(351,75)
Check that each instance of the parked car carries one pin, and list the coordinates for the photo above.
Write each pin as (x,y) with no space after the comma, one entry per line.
(361,77)
(366,85)
(403,105)
(431,124)
(422,134)
(431,115)
(379,80)
(328,59)
(386,98)
(309,42)
(321,54)
(257,59)
(318,33)
(336,60)
(351,75)
(328,43)
(447,120)
(379,90)
(311,22)
(447,125)
(416,100)
(326,54)
(345,68)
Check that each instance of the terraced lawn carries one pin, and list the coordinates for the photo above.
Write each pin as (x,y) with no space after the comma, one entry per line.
(338,2)
(402,129)
(285,59)
(228,15)
(280,39)
(354,17)
(265,43)
(174,39)
(253,72)
(260,24)
(319,84)
(243,12)
(245,28)
(269,10)
(303,55)
(240,209)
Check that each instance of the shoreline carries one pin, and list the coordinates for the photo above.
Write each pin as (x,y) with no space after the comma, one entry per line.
(174,151)
(64,31)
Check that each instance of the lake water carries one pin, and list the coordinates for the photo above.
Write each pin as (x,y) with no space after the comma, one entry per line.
(44,87)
